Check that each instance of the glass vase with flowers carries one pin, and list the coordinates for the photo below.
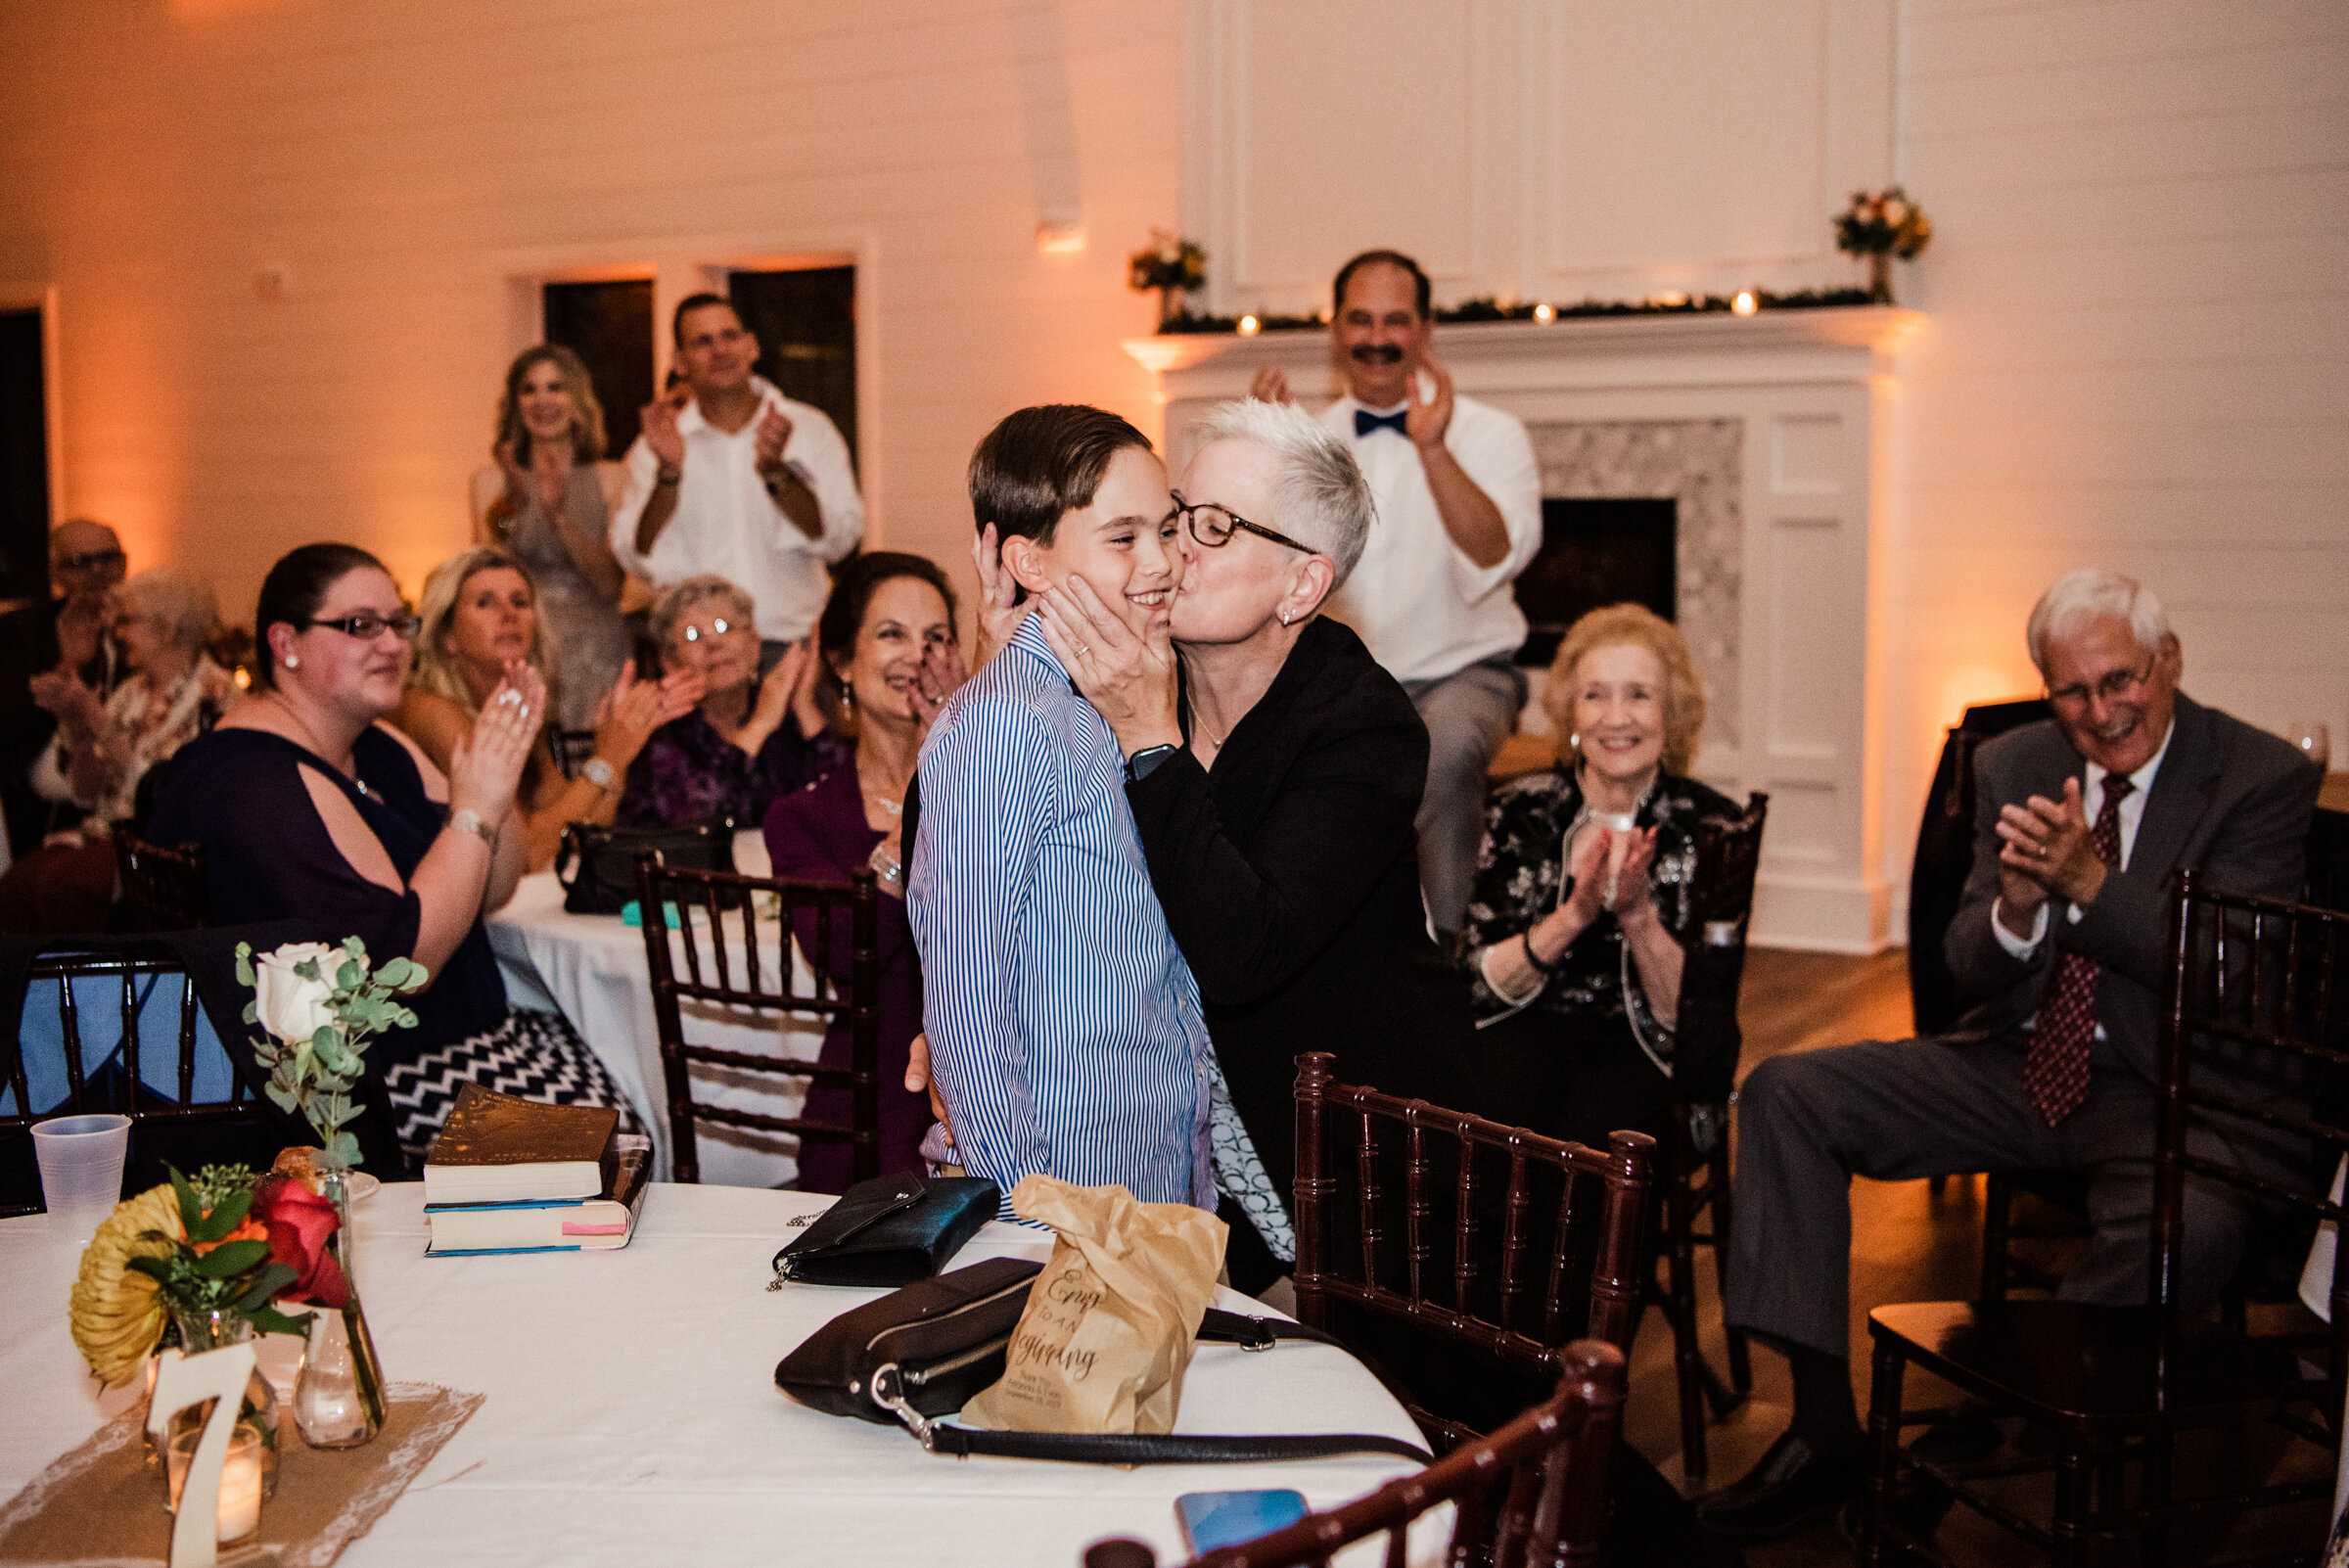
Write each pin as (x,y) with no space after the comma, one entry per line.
(317,1007)
(203,1264)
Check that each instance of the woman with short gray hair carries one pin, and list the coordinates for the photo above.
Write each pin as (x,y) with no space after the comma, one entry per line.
(1274,770)
(751,739)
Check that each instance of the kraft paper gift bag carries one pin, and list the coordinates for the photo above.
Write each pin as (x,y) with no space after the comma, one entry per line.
(1109,1326)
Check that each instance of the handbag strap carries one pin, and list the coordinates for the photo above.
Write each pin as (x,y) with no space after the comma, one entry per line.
(962,1441)
(1249,1333)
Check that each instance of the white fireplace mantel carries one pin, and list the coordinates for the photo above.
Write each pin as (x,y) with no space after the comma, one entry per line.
(1680,345)
(1781,592)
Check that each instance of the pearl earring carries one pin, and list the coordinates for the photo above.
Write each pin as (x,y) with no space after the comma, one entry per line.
(292,662)
(1284,618)
(1574,742)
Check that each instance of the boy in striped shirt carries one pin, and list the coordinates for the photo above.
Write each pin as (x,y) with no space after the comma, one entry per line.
(1064,1026)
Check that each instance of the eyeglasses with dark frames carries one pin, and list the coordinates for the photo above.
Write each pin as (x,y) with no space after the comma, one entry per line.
(89,559)
(367,625)
(1214,526)
(2116,686)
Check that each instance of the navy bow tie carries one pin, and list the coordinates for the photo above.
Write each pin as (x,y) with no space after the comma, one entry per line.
(1365,421)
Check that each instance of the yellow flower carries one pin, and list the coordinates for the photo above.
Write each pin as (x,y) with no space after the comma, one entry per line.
(115,1314)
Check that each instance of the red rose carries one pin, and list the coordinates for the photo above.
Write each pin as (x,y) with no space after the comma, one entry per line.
(299,1222)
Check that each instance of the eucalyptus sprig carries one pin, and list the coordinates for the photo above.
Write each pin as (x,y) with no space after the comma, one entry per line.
(314,1072)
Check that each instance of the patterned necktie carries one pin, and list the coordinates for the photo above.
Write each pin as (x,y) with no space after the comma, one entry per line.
(1366,422)
(2055,1068)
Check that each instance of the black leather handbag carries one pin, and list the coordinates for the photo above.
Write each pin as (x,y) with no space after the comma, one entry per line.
(888,1231)
(924,1352)
(597,866)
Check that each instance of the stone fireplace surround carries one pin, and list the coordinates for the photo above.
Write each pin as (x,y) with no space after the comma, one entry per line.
(1771,432)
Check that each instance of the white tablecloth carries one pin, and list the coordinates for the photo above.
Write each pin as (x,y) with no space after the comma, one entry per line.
(632,1416)
(591,969)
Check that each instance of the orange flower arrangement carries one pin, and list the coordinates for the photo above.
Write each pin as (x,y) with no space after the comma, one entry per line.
(229,1241)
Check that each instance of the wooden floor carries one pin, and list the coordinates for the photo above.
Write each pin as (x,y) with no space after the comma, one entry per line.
(1907,1244)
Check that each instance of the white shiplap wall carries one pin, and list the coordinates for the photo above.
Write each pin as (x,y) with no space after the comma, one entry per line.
(2139,350)
(404,161)
(2137,354)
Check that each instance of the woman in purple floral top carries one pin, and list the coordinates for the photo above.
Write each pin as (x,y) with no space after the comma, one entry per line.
(751,740)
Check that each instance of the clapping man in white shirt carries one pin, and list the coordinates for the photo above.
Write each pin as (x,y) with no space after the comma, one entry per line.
(732,476)
(1460,515)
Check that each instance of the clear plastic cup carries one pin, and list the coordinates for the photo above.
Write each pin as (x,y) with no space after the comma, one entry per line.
(81,1169)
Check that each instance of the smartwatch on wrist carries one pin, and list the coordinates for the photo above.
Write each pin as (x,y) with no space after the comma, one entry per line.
(1147,762)
(668,476)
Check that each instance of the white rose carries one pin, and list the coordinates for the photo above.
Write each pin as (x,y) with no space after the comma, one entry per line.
(292,1008)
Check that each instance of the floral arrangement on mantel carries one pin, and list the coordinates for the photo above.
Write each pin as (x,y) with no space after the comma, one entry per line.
(316,1026)
(1880,226)
(1495,308)
(1173,267)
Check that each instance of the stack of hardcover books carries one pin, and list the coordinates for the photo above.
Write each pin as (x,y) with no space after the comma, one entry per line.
(508,1175)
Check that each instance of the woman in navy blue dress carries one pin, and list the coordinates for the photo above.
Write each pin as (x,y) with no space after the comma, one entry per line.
(309,807)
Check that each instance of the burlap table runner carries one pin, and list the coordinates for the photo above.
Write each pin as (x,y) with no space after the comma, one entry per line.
(103,1502)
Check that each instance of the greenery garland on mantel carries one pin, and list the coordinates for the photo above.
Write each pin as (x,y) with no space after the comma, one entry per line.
(1491,309)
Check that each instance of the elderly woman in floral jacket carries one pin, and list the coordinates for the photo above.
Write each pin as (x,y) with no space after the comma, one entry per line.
(1581,894)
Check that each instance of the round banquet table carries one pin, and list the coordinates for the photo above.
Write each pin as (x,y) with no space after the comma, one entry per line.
(632,1414)
(591,969)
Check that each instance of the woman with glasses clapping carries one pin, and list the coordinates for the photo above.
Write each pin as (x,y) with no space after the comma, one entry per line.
(481,621)
(308,807)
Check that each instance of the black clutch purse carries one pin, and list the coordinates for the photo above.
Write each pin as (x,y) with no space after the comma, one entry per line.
(926,1351)
(888,1231)
(597,866)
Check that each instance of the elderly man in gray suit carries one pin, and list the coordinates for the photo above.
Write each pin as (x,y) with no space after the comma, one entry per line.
(2080,820)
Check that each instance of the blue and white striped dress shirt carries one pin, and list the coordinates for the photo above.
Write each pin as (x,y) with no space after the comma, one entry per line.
(1064,1029)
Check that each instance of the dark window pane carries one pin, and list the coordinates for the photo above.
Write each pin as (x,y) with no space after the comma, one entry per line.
(610,326)
(1593,553)
(805,323)
(23,459)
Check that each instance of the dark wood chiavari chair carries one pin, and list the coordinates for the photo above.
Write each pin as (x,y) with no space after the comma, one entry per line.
(1552,1512)
(143,978)
(1520,1318)
(722,965)
(1695,1173)
(164,889)
(2254,999)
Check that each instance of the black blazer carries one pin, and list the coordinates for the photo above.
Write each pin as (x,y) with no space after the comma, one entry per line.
(1290,877)
(2231,801)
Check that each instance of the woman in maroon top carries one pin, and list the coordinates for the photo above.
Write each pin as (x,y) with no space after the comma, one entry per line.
(889,659)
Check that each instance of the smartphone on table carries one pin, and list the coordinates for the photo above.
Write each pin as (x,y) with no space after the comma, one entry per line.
(1213,1520)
